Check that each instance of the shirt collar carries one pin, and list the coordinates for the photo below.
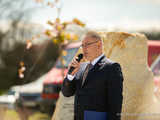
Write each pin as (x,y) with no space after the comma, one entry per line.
(93,62)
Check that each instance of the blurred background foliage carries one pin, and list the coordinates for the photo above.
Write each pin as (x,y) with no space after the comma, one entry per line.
(28,50)
(152,35)
(38,60)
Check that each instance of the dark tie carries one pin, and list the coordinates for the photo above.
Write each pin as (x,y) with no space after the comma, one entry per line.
(88,67)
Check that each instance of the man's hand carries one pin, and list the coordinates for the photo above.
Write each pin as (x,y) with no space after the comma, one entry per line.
(74,64)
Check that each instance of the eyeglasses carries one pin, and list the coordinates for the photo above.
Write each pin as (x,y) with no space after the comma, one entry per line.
(88,44)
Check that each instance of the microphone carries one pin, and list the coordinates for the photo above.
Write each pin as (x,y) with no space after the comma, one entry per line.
(80,56)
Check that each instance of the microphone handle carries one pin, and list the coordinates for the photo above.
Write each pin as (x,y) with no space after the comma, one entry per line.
(80,56)
(71,70)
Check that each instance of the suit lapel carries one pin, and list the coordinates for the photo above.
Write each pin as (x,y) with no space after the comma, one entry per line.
(99,64)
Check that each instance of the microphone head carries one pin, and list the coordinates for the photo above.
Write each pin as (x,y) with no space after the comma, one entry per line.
(80,56)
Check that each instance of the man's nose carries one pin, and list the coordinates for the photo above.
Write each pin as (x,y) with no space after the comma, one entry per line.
(83,48)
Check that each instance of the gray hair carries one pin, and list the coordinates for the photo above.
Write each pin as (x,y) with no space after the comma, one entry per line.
(92,34)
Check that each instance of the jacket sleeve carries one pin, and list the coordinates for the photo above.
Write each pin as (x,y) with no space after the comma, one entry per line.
(69,87)
(115,89)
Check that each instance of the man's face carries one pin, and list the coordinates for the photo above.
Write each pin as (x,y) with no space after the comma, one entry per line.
(91,48)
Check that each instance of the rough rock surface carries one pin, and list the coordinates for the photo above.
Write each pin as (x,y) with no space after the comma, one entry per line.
(139,101)
(64,108)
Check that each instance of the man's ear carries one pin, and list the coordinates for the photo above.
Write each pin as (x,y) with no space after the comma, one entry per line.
(99,45)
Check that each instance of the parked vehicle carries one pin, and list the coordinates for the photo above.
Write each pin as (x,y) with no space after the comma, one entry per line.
(155,67)
(153,50)
(30,94)
(9,98)
(54,78)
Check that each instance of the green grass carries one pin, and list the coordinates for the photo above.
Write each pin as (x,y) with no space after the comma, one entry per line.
(13,115)
(39,116)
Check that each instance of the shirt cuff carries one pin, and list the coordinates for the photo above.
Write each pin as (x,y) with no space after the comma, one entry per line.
(70,77)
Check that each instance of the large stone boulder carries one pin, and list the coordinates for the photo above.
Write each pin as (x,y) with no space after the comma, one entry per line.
(139,101)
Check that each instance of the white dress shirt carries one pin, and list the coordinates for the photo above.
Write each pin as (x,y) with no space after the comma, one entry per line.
(71,77)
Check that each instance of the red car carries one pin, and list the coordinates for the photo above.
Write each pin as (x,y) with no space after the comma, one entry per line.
(54,78)
(153,50)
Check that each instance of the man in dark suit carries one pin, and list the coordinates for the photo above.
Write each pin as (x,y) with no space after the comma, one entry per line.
(97,84)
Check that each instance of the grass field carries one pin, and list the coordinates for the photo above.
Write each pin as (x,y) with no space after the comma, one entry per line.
(22,114)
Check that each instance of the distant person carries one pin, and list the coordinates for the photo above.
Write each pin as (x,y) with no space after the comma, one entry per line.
(97,84)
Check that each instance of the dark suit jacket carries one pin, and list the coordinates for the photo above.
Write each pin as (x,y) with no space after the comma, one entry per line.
(101,91)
